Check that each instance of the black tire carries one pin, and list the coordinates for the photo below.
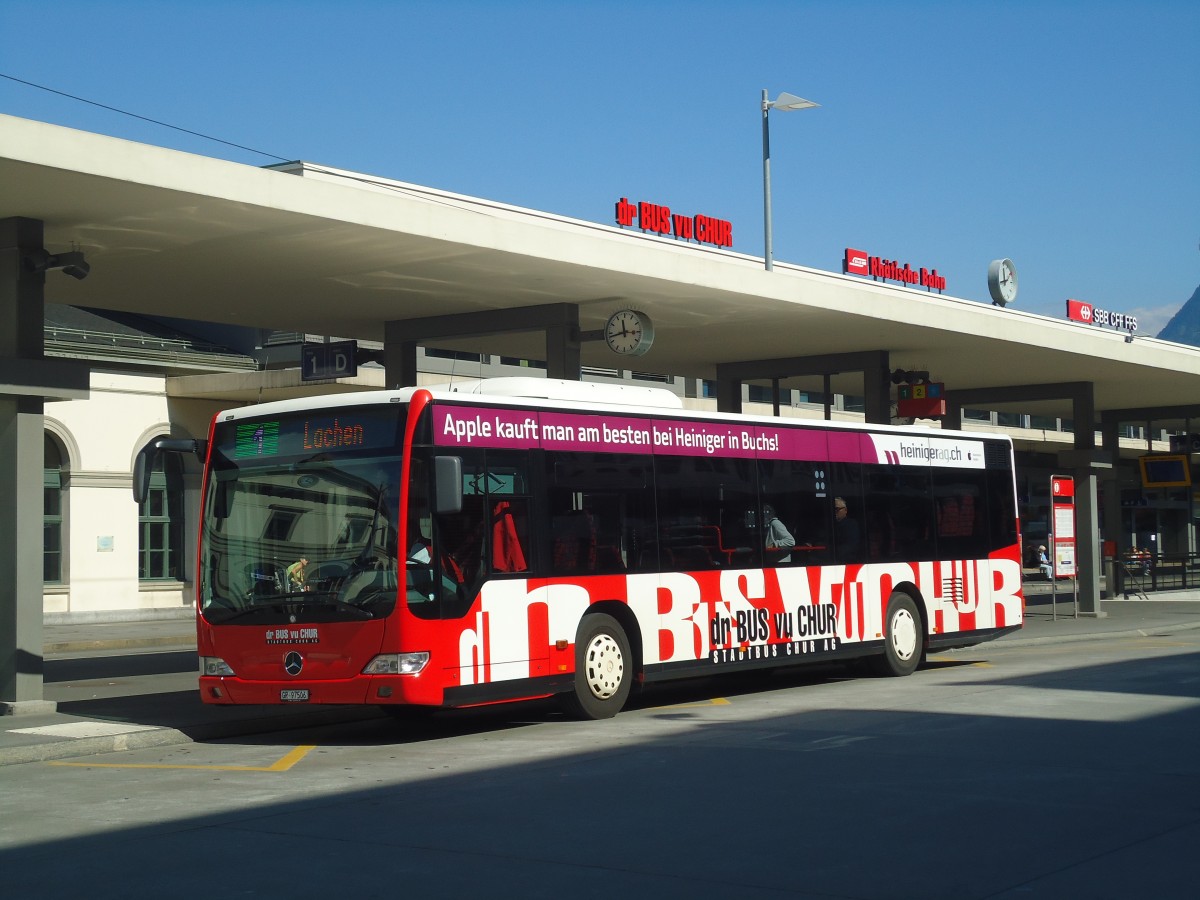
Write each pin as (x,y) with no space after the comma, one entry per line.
(903,638)
(603,669)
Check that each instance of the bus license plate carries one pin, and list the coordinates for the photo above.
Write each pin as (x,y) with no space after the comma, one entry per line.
(293,696)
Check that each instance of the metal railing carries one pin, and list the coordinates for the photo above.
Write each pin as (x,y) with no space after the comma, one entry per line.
(1148,573)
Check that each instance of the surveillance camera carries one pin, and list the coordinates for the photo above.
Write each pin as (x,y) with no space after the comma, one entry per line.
(74,264)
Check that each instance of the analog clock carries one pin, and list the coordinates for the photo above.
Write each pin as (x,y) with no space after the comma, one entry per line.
(629,332)
(1002,281)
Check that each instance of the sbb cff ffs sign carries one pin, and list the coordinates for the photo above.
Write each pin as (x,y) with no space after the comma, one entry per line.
(1080,311)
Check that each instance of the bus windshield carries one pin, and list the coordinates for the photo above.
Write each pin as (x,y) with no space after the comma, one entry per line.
(300,520)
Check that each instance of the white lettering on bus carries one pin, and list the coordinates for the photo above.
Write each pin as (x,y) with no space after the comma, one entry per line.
(517,431)
(762,443)
(707,441)
(466,430)
(637,437)
(756,613)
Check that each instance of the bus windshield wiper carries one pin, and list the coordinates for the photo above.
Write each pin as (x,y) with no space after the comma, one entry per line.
(326,599)
(297,600)
(229,615)
(294,601)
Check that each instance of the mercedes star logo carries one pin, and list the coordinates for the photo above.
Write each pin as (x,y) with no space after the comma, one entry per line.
(293,663)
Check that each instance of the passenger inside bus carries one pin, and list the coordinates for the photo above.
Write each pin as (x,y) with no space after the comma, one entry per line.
(777,540)
(846,532)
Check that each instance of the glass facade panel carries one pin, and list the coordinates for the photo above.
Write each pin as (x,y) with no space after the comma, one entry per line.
(160,522)
(52,511)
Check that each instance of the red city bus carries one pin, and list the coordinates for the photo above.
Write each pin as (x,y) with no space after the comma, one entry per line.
(436,548)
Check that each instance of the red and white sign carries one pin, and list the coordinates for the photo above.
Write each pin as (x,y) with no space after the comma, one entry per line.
(1081,311)
(859,262)
(1062,523)
(660,220)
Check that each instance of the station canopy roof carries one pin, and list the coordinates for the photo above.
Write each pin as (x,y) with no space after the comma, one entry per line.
(308,248)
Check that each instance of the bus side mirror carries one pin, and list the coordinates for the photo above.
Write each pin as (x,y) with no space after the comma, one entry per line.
(147,457)
(447,484)
(143,465)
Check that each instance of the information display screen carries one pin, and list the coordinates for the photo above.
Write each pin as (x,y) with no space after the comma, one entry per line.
(302,435)
(1165,471)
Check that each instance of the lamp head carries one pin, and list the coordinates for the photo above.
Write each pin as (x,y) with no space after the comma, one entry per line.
(787,102)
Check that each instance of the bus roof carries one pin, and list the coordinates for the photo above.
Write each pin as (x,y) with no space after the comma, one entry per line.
(577,396)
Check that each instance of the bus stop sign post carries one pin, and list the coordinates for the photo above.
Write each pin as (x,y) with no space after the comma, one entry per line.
(1062,539)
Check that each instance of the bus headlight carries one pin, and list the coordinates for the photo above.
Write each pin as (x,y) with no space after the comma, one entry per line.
(214,666)
(397,664)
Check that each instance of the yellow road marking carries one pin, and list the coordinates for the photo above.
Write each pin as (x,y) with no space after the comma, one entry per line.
(281,765)
(947,659)
(715,701)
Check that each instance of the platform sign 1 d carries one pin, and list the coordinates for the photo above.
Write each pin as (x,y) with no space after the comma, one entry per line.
(1062,499)
(319,362)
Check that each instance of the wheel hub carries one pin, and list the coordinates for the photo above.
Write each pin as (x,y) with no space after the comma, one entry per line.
(605,667)
(904,634)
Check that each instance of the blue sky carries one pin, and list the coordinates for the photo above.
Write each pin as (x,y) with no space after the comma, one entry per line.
(1064,135)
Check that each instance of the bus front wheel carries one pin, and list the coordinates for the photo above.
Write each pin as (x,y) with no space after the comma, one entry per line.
(903,642)
(603,669)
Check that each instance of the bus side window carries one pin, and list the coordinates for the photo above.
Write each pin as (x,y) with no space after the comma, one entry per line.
(962,529)
(702,512)
(600,508)
(505,483)
(797,491)
(899,517)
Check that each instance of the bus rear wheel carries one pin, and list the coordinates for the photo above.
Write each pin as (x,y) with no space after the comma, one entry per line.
(603,669)
(903,642)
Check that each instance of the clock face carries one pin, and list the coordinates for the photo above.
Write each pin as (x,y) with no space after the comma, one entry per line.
(1002,281)
(629,332)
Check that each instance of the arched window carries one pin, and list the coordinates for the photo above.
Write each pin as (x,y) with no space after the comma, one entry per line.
(53,496)
(160,522)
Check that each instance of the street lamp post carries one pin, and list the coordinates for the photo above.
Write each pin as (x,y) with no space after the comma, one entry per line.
(784,102)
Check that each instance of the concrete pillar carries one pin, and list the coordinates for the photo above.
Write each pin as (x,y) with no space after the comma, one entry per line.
(562,350)
(399,358)
(1082,464)
(729,395)
(1110,436)
(22,319)
(877,390)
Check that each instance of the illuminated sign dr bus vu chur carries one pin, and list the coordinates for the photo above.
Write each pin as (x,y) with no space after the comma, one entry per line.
(660,220)
(1079,311)
(859,262)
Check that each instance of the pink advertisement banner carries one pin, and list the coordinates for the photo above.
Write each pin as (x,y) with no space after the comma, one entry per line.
(518,429)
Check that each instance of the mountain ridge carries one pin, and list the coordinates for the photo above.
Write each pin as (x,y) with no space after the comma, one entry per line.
(1184,327)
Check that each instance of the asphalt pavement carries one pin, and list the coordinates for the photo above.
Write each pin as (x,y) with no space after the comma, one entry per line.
(121,685)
